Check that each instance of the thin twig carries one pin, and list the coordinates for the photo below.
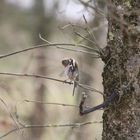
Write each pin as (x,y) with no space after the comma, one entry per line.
(92,36)
(98,50)
(83,28)
(10,114)
(34,76)
(85,38)
(44,46)
(75,50)
(82,51)
(73,125)
(89,88)
(97,10)
(70,24)
(103,105)
(50,78)
(51,103)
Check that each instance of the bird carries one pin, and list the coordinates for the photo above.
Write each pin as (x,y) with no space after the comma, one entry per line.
(71,71)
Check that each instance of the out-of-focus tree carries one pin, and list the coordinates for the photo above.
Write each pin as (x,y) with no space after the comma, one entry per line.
(41,26)
(2,5)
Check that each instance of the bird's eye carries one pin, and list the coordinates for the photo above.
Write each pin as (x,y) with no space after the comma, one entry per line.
(65,62)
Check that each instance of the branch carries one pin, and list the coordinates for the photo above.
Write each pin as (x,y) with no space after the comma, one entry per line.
(10,114)
(51,103)
(97,10)
(109,100)
(47,45)
(75,50)
(49,126)
(89,88)
(78,34)
(70,24)
(82,51)
(53,79)
(90,32)
(34,76)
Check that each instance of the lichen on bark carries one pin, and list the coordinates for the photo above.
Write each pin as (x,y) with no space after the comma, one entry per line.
(121,120)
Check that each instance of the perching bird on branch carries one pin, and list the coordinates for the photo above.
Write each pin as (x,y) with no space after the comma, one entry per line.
(71,71)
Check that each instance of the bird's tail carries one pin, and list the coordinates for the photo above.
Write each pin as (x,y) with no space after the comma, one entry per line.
(75,85)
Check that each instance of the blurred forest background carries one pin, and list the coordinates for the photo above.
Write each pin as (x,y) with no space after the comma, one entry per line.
(58,21)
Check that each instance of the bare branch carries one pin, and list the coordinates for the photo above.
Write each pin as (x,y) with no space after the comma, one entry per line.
(34,76)
(50,103)
(85,19)
(73,125)
(82,51)
(97,10)
(71,25)
(49,78)
(44,46)
(75,50)
(90,32)
(103,105)
(44,39)
(10,114)
(89,88)
(85,38)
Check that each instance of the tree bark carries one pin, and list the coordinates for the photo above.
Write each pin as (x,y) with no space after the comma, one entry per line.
(121,120)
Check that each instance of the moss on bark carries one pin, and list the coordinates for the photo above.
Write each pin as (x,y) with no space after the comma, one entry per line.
(121,120)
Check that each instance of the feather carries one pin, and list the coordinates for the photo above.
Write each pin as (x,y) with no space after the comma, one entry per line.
(71,71)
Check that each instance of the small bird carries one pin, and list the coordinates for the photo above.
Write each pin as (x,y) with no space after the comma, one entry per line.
(71,71)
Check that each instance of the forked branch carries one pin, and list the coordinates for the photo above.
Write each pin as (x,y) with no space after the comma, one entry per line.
(84,111)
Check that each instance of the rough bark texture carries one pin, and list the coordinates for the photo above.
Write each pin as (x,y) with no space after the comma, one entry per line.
(121,120)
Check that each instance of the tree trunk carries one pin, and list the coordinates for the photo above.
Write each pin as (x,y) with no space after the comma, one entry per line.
(38,116)
(121,120)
